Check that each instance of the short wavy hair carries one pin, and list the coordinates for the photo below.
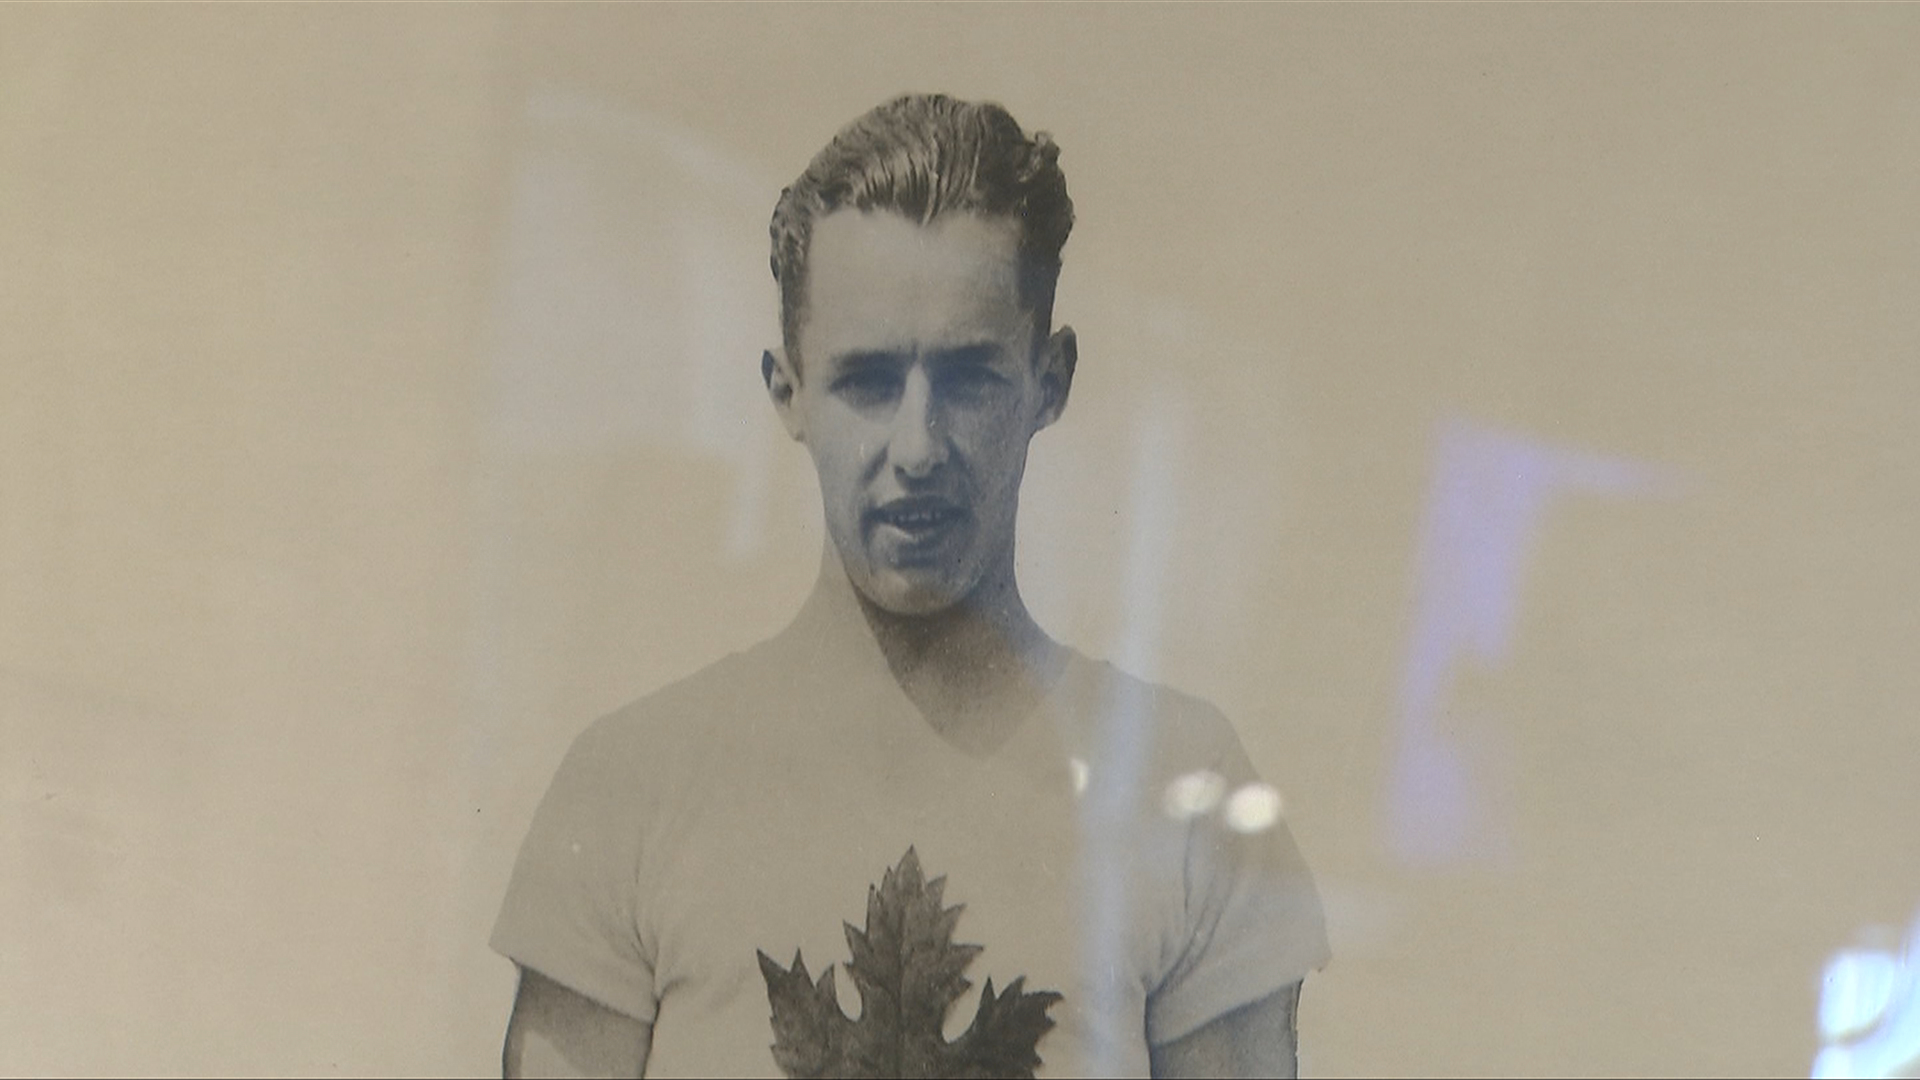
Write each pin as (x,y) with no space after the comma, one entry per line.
(923,155)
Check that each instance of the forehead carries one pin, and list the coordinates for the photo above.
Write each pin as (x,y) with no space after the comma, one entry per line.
(876,280)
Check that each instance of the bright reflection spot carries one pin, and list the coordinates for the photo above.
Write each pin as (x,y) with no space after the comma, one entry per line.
(1078,769)
(1194,794)
(1856,990)
(1253,808)
(1870,1012)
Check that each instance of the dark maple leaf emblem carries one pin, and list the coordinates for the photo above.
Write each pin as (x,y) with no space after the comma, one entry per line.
(909,973)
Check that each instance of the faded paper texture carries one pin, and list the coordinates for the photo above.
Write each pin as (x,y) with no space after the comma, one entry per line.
(1502,413)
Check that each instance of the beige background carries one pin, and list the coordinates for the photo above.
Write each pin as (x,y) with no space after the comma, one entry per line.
(378,404)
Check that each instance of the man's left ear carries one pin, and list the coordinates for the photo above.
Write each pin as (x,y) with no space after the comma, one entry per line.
(1057,360)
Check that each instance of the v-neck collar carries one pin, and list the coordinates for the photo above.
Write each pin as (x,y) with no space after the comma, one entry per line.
(835,655)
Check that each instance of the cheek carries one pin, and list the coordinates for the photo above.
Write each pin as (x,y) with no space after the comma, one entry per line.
(843,463)
(996,462)
(997,437)
(836,472)
(833,440)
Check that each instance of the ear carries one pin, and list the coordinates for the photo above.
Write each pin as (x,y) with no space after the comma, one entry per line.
(1058,358)
(782,379)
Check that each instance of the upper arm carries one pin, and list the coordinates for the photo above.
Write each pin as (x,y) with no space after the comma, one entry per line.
(573,906)
(1260,1039)
(559,1033)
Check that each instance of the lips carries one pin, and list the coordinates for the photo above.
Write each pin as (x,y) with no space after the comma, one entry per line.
(918,517)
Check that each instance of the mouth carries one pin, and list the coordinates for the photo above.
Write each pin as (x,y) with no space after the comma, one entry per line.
(917,519)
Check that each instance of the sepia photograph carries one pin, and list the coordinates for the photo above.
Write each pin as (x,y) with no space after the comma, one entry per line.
(959,540)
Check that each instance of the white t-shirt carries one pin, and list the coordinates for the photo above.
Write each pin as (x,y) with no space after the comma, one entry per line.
(780,865)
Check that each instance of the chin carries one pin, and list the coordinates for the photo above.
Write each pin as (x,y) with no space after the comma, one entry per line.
(899,594)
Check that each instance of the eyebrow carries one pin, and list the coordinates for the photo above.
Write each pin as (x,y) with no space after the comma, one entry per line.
(979,352)
(860,358)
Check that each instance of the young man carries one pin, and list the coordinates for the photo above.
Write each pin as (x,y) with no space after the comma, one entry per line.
(912,835)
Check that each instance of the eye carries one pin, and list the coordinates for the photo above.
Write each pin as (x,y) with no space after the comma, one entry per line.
(970,382)
(873,385)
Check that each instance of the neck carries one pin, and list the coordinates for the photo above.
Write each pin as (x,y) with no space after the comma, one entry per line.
(971,668)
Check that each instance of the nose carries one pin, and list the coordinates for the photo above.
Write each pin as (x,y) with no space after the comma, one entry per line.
(916,445)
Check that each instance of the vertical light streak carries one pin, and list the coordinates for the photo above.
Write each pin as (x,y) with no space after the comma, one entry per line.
(1489,495)
(1116,773)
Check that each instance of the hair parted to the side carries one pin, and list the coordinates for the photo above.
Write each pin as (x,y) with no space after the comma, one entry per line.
(923,155)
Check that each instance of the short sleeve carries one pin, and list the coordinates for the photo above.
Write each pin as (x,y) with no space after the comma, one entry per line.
(571,910)
(1254,920)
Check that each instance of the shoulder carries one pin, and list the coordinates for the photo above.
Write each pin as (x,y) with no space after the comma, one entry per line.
(688,699)
(672,729)
(1184,730)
